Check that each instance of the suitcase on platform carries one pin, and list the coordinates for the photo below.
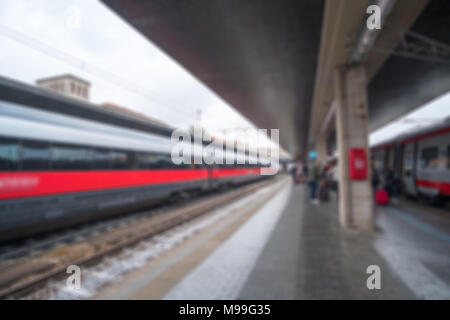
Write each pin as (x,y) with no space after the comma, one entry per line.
(381,197)
(299,179)
(323,192)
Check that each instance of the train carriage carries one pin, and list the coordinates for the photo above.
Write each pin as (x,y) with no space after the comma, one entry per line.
(420,159)
(57,170)
(426,161)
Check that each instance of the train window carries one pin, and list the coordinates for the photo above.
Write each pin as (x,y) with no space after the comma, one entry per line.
(159,161)
(132,160)
(147,161)
(143,160)
(119,159)
(71,158)
(165,162)
(9,154)
(35,155)
(196,166)
(226,165)
(430,157)
(100,159)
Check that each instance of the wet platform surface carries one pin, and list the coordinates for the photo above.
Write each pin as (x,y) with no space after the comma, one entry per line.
(288,248)
(310,257)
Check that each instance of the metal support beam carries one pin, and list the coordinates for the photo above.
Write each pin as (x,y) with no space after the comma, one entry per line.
(416,46)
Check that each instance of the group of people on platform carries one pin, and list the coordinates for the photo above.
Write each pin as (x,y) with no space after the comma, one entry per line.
(320,179)
(323,178)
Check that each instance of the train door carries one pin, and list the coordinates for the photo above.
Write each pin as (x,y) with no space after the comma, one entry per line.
(432,173)
(378,160)
(398,159)
(429,170)
(408,173)
(390,158)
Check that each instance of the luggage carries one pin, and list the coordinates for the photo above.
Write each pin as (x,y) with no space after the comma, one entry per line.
(299,179)
(323,192)
(381,197)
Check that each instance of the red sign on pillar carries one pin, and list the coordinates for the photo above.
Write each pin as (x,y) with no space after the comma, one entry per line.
(357,164)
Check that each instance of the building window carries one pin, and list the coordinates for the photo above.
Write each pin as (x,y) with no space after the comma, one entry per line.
(72,87)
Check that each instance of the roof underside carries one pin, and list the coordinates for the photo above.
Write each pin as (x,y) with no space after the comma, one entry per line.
(259,56)
(262,56)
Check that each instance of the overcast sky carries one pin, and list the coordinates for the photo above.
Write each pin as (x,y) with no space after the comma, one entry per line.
(147,81)
(103,41)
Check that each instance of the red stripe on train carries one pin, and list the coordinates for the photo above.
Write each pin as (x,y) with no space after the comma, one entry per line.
(28,184)
(31,184)
(443,187)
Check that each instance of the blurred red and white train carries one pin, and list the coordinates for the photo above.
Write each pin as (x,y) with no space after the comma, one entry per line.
(58,170)
(420,160)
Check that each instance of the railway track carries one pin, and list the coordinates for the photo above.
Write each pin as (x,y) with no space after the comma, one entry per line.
(23,273)
(68,235)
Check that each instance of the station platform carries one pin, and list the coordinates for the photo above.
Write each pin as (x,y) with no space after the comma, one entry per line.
(309,256)
(278,245)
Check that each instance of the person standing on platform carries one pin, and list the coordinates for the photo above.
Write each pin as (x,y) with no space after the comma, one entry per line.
(322,193)
(375,178)
(392,184)
(313,177)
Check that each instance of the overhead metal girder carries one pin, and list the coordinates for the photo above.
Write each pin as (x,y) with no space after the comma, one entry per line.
(416,46)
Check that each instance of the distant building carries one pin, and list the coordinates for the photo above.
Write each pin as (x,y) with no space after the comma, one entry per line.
(125,111)
(75,87)
(68,85)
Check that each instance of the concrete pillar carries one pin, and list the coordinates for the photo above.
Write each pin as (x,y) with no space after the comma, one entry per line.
(355,196)
(321,148)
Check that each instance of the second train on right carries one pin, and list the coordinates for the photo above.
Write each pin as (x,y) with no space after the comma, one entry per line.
(419,160)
